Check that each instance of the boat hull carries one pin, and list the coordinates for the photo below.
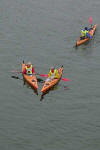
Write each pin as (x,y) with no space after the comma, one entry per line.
(31,80)
(50,84)
(91,32)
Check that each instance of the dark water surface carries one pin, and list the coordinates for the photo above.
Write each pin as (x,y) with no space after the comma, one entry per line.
(44,32)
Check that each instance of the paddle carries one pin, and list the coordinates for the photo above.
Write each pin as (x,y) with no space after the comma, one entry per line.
(90,20)
(38,79)
(44,75)
(64,79)
(16,77)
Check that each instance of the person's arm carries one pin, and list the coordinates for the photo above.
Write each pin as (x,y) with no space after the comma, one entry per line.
(49,74)
(33,70)
(24,72)
(90,29)
(88,35)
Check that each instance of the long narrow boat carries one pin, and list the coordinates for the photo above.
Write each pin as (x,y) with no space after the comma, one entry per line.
(31,80)
(50,84)
(91,32)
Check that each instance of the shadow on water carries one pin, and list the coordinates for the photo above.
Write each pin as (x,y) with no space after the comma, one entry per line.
(35,91)
(16,77)
(28,86)
(40,81)
(77,47)
(25,83)
(54,89)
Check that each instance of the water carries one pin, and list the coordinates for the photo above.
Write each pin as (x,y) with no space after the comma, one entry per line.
(44,32)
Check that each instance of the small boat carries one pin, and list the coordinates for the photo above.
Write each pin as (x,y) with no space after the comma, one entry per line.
(31,80)
(91,32)
(50,84)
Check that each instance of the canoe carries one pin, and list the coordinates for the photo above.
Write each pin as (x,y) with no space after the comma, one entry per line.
(31,80)
(91,32)
(50,84)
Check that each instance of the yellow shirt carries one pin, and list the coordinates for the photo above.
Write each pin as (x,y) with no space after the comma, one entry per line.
(55,74)
(83,33)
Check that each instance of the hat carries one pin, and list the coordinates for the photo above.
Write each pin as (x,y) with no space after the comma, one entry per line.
(29,63)
(86,28)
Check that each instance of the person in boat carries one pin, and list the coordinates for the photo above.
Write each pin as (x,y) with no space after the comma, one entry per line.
(53,73)
(29,69)
(85,33)
(91,28)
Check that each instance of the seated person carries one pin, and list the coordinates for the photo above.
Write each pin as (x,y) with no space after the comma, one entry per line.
(29,70)
(85,34)
(53,73)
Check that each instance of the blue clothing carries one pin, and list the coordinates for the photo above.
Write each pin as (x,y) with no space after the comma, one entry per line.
(88,35)
(88,29)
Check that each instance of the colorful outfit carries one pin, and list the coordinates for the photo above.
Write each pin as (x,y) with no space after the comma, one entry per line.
(52,75)
(84,34)
(29,70)
(55,74)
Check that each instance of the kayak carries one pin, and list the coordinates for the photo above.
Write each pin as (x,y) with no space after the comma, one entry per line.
(91,32)
(31,80)
(50,84)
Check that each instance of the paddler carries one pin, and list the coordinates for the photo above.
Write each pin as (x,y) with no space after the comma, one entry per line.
(29,69)
(85,34)
(53,73)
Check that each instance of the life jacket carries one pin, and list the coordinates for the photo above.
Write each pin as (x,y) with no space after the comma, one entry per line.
(28,70)
(55,73)
(83,33)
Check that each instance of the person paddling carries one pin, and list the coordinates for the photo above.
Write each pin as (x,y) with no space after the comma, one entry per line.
(53,73)
(85,34)
(29,69)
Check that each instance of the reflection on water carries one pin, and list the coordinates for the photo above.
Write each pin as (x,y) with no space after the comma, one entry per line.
(52,89)
(25,83)
(64,87)
(28,86)
(40,81)
(16,77)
